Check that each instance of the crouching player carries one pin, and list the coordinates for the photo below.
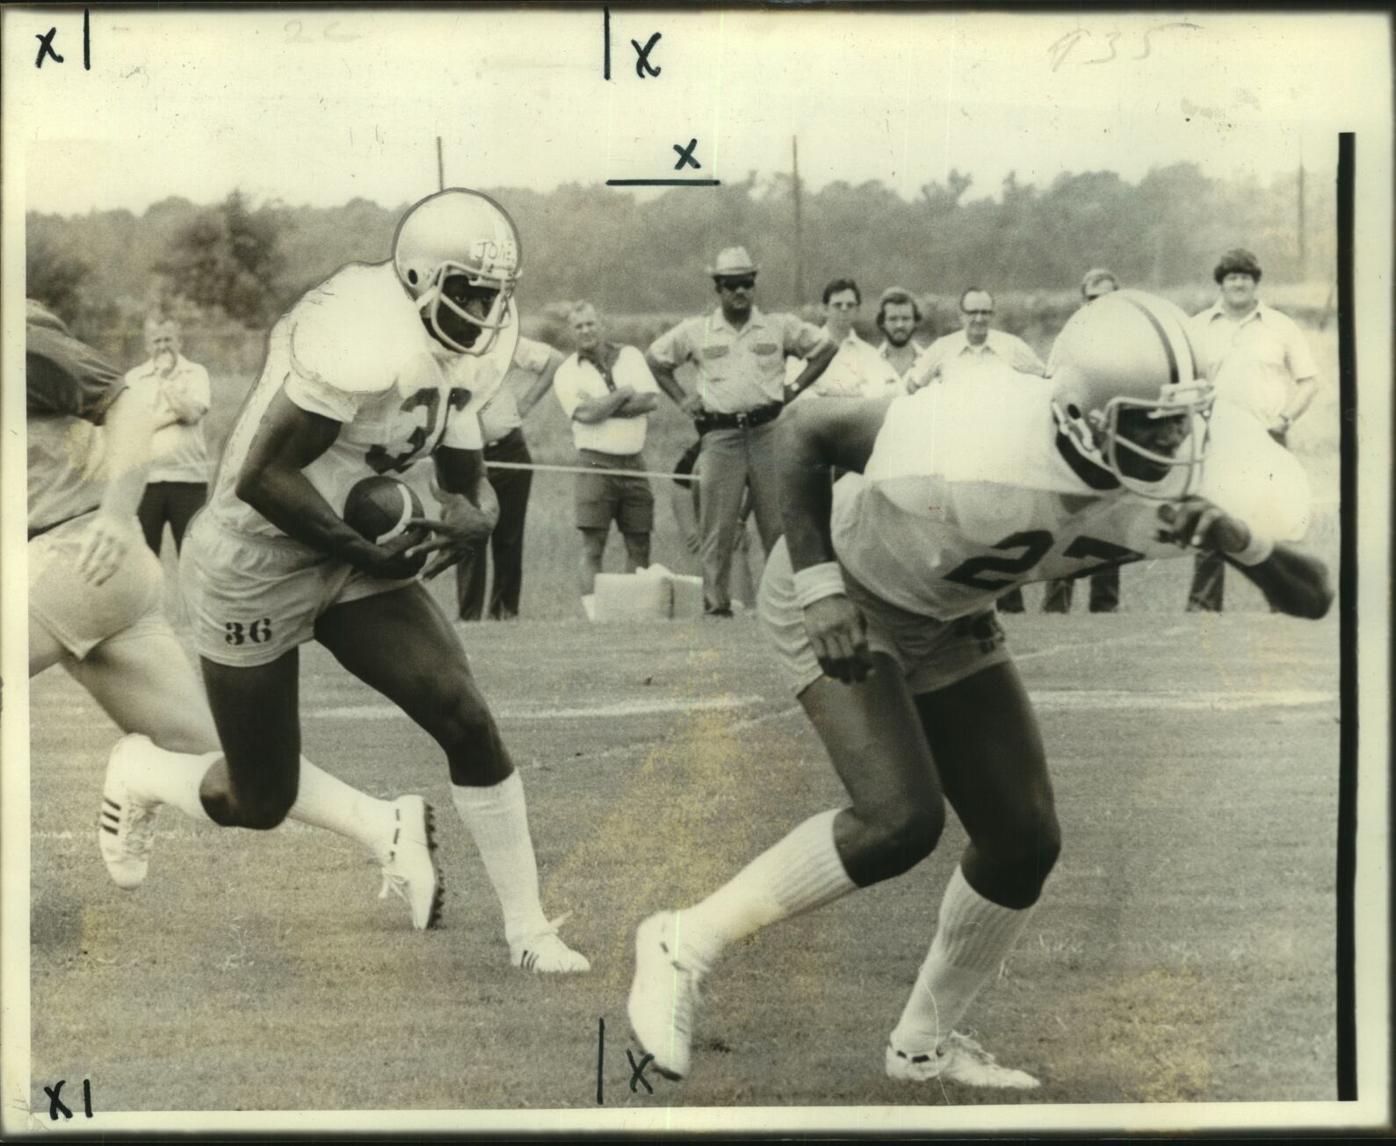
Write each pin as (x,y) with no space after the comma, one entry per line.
(95,592)
(380,369)
(880,604)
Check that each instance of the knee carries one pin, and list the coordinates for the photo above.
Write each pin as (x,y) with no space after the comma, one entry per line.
(1021,859)
(894,840)
(461,721)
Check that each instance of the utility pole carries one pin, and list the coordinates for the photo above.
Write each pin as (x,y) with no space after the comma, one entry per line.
(440,167)
(799,238)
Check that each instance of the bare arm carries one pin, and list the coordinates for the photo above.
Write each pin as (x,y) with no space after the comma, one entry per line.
(541,385)
(814,438)
(593,410)
(127,428)
(1293,582)
(469,507)
(637,405)
(273,483)
(817,364)
(664,377)
(1304,391)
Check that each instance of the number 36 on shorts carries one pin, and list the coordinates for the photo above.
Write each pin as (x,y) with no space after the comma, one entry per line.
(247,632)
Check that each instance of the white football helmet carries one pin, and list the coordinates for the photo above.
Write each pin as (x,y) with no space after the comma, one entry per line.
(1130,351)
(467,240)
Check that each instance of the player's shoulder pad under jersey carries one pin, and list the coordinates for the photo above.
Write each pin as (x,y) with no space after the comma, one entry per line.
(1253,478)
(356,331)
(986,426)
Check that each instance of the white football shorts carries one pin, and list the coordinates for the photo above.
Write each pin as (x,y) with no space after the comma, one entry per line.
(253,599)
(79,615)
(932,654)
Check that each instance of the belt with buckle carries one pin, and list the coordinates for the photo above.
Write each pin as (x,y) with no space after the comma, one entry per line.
(745,420)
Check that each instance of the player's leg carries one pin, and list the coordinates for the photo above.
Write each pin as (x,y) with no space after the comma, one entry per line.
(989,754)
(401,644)
(45,649)
(1012,601)
(722,470)
(593,509)
(874,738)
(512,488)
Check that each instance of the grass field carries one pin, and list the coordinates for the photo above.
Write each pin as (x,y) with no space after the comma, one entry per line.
(1183,950)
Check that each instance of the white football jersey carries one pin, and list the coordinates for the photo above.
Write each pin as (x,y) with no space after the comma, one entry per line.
(968,494)
(354,349)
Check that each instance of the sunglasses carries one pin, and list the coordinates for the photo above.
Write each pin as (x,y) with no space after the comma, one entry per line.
(748,282)
(978,313)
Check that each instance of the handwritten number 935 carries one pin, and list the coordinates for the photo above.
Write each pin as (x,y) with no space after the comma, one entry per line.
(1092,48)
(295,33)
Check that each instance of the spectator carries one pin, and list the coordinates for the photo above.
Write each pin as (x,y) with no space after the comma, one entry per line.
(898,316)
(738,353)
(501,423)
(1258,359)
(178,391)
(857,371)
(974,343)
(1105,585)
(608,393)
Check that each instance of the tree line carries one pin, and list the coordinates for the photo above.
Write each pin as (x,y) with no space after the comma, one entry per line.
(241,263)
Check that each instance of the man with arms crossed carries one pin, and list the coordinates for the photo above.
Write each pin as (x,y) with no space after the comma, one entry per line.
(379,370)
(879,603)
(608,393)
(94,608)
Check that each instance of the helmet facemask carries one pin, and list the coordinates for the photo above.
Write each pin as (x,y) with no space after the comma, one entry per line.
(1109,446)
(450,278)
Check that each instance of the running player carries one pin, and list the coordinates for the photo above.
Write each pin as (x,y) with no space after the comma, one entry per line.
(94,608)
(879,601)
(380,369)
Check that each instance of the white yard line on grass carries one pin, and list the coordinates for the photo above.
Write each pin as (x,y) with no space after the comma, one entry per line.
(1144,637)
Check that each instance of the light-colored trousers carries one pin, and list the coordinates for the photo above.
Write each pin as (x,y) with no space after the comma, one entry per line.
(729,461)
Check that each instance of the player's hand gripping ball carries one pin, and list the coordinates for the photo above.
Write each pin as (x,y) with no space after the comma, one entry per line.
(383,509)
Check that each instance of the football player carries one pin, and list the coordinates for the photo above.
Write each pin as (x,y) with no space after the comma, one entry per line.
(94,603)
(378,370)
(879,602)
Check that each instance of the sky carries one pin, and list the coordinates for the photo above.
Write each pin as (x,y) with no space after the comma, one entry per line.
(319,106)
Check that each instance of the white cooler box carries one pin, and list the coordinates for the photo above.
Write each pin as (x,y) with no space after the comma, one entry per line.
(652,594)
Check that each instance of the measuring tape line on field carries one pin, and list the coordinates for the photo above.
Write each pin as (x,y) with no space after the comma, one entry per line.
(590,470)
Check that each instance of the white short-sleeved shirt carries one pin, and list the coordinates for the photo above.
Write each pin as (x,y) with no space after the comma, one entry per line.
(738,370)
(856,371)
(500,415)
(952,353)
(178,450)
(354,350)
(967,494)
(1254,362)
(577,382)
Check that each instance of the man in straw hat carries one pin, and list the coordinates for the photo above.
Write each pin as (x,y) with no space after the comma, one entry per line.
(738,353)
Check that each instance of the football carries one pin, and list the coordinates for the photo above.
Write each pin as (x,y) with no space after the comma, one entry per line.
(381,508)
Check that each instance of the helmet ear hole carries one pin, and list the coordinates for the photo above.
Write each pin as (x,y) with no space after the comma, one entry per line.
(1073,410)
(412,277)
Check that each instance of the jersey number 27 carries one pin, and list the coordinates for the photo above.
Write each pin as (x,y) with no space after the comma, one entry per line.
(1035,544)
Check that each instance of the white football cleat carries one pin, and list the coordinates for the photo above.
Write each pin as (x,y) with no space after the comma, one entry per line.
(960,1059)
(546,954)
(125,825)
(663,996)
(408,868)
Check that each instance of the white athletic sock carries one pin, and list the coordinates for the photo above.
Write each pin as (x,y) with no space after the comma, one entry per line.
(497,819)
(173,778)
(322,800)
(972,939)
(801,872)
(325,801)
